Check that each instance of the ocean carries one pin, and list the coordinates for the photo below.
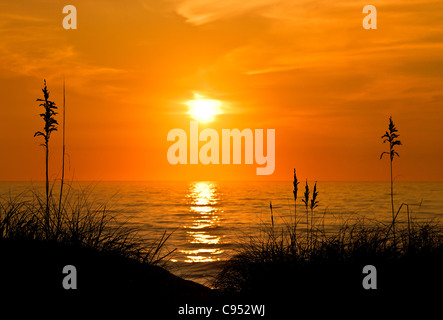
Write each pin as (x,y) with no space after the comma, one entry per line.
(209,219)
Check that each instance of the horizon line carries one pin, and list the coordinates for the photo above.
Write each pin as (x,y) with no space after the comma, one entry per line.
(217,180)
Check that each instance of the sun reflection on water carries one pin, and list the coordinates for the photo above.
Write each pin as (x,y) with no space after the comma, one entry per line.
(203,200)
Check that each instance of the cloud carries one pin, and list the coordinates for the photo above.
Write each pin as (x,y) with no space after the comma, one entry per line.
(319,34)
(198,12)
(18,17)
(32,47)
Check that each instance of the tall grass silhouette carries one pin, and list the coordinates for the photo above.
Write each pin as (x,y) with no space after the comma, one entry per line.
(50,125)
(391,137)
(64,145)
(313,205)
(306,202)
(295,184)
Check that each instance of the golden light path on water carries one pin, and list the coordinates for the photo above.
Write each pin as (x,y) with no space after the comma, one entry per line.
(205,217)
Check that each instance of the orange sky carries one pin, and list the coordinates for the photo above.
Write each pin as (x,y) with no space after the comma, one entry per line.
(304,68)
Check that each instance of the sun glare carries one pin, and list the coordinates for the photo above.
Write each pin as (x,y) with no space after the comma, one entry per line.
(203,109)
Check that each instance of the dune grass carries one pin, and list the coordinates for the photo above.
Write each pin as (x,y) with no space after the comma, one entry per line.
(116,266)
(320,267)
(305,267)
(76,221)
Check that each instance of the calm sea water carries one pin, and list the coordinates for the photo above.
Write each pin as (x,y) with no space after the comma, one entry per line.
(208,219)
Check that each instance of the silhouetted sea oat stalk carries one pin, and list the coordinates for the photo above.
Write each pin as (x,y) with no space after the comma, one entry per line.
(314,204)
(391,137)
(295,191)
(306,202)
(50,125)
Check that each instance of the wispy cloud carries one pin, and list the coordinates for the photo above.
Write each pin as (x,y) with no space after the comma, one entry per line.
(320,34)
(36,49)
(12,16)
(199,12)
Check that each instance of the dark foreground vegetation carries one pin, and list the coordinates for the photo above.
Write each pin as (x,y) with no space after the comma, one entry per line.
(322,273)
(116,267)
(291,272)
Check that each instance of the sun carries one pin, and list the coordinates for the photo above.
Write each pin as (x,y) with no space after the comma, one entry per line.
(203,109)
